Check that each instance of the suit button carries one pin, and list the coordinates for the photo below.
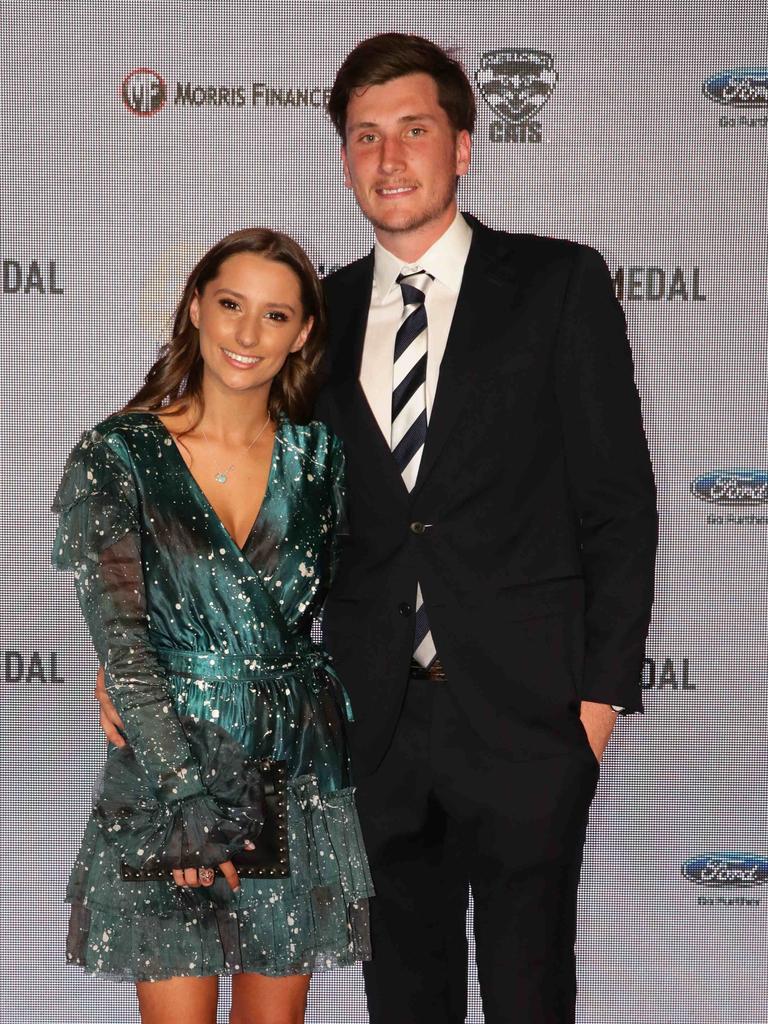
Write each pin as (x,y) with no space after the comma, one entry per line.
(417,527)
(405,609)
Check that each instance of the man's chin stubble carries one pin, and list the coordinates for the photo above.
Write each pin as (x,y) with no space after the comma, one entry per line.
(414,223)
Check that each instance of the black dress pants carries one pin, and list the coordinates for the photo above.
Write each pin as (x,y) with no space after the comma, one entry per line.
(442,813)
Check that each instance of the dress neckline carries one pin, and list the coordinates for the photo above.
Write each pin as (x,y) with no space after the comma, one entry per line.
(204,497)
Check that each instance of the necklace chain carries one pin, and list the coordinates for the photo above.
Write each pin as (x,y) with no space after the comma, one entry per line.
(223,474)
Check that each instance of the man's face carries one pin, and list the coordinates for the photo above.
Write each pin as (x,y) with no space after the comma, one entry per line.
(402,156)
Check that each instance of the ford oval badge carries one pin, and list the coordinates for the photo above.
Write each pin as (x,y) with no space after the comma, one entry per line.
(732,487)
(721,870)
(745,88)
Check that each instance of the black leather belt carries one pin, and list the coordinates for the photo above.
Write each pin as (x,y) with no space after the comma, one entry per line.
(435,672)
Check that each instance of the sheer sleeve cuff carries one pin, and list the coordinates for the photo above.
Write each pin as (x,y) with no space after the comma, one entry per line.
(204,829)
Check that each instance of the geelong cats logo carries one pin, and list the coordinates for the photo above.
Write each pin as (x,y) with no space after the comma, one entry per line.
(516,83)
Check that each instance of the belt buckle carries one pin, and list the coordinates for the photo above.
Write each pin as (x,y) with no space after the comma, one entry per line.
(435,672)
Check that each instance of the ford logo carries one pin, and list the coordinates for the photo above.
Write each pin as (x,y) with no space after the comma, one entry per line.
(741,87)
(721,870)
(732,487)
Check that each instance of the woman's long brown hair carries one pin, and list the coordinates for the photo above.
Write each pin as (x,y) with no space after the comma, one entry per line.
(177,375)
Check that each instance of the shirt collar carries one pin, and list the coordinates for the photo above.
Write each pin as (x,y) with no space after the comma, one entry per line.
(444,260)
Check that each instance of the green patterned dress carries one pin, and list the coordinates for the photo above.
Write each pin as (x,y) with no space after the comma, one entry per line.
(211,666)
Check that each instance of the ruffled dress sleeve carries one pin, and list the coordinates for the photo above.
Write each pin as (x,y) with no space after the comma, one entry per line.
(99,540)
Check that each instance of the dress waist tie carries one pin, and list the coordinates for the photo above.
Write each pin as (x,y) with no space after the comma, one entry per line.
(246,667)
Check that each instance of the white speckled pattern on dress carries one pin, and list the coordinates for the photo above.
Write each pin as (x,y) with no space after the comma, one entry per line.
(192,628)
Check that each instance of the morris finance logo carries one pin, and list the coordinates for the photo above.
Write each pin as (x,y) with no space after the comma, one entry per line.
(516,83)
(144,92)
(256,94)
(742,91)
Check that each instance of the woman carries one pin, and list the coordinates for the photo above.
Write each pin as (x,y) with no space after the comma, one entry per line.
(200,524)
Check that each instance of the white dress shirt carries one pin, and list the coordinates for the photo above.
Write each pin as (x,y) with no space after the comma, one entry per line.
(445,261)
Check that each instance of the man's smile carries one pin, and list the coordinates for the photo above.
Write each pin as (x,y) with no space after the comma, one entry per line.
(388,191)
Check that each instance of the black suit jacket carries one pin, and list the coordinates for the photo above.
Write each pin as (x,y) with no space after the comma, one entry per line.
(537,496)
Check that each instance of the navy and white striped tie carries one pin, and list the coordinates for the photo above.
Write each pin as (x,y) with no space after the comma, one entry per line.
(409,414)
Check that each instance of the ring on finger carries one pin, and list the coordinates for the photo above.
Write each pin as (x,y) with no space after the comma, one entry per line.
(206,875)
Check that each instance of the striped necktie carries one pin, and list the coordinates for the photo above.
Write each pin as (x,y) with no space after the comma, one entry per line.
(409,414)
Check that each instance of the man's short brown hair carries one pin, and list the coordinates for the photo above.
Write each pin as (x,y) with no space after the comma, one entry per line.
(393,54)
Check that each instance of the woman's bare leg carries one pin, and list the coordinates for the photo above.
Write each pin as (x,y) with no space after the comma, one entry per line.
(178,1000)
(257,999)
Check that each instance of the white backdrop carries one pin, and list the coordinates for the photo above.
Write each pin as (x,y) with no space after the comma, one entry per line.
(106,205)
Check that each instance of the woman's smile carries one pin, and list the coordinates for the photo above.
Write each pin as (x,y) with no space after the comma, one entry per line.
(239,360)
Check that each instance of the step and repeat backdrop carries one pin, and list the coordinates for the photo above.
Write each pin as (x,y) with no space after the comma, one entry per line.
(133,136)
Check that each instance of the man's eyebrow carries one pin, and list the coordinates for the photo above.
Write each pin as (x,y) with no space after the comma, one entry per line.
(239,295)
(405,119)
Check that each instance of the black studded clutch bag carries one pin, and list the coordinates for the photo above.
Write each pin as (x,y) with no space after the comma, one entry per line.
(269,859)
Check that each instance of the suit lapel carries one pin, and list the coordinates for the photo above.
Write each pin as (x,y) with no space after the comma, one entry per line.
(348,315)
(482,309)
(351,401)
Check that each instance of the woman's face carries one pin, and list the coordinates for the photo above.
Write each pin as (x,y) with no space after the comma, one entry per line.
(250,318)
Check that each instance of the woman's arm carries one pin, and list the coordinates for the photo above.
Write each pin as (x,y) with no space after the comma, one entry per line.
(99,538)
(112,597)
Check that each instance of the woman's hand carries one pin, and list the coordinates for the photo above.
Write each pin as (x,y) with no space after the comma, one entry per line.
(194,877)
(109,720)
(111,723)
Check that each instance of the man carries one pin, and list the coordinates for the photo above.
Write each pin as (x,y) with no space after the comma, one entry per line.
(495,586)
(493,596)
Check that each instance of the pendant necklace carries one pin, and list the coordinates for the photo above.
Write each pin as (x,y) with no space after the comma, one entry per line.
(223,475)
